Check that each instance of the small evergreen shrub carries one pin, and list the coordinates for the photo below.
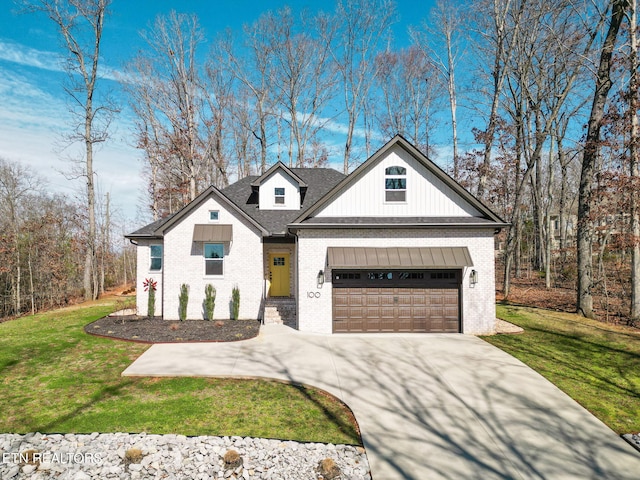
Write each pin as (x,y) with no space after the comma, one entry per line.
(183,299)
(235,302)
(209,300)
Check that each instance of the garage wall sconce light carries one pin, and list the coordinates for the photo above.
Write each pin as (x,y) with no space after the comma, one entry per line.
(473,278)
(320,279)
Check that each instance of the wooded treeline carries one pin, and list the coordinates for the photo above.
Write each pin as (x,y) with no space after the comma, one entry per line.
(43,245)
(548,90)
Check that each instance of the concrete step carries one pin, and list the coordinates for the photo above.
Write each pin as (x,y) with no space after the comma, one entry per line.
(280,311)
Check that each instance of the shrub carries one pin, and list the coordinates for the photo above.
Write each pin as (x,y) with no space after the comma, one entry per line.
(235,302)
(150,286)
(328,469)
(30,456)
(232,459)
(133,455)
(183,299)
(209,301)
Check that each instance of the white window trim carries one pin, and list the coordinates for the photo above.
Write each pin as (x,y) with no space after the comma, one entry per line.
(283,196)
(394,177)
(204,264)
(159,270)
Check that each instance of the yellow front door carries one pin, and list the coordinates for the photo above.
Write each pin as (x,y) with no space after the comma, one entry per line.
(279,274)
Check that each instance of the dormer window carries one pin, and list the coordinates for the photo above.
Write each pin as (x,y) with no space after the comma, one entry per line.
(395,184)
(279,195)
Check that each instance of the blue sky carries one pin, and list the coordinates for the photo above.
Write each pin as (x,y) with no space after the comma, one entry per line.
(34,107)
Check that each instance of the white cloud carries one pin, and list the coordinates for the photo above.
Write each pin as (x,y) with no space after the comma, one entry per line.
(32,121)
(46,60)
(30,57)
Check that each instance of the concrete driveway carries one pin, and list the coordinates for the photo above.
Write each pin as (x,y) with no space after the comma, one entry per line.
(428,406)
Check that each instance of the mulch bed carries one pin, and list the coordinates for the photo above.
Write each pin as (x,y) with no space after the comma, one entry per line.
(157,330)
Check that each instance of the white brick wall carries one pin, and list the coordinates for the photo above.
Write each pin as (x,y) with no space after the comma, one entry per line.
(184,263)
(478,302)
(143,263)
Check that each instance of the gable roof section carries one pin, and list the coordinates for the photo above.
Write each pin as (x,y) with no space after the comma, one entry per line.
(149,231)
(318,180)
(278,166)
(157,229)
(304,219)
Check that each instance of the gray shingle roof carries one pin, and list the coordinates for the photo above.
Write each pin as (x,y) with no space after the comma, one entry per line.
(319,181)
(384,221)
(148,230)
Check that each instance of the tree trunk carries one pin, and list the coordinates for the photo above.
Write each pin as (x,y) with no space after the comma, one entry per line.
(451,87)
(584,300)
(633,157)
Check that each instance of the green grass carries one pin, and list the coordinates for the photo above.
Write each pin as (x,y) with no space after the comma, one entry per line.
(56,378)
(596,364)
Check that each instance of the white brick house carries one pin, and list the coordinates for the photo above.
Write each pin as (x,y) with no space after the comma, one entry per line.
(397,245)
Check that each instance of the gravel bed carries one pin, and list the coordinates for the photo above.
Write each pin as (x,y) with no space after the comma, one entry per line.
(37,456)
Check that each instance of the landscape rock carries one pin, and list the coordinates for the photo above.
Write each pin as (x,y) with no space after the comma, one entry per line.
(97,456)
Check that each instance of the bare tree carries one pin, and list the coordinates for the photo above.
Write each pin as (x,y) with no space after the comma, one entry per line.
(440,39)
(584,300)
(177,122)
(303,78)
(498,23)
(254,70)
(634,158)
(409,88)
(361,26)
(16,185)
(80,24)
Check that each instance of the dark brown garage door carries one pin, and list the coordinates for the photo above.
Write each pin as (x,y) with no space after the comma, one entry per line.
(396,301)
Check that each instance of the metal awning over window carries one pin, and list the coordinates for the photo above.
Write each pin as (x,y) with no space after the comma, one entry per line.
(399,257)
(212,233)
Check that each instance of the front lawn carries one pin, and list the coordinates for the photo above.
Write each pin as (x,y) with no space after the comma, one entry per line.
(596,364)
(56,378)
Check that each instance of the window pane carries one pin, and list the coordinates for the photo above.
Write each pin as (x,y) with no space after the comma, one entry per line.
(395,196)
(156,264)
(214,215)
(395,183)
(396,171)
(156,250)
(278,261)
(213,267)
(213,250)
(279,191)
(280,200)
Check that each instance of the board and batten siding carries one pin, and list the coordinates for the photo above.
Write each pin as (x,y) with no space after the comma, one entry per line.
(279,179)
(426,196)
(184,263)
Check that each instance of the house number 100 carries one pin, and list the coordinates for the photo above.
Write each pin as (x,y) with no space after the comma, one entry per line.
(313,294)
